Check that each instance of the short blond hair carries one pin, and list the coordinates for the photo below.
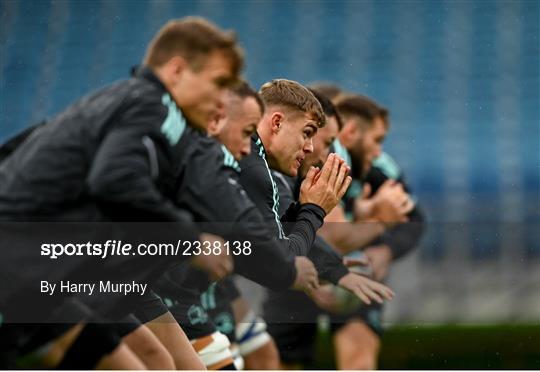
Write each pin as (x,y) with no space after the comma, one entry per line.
(193,38)
(293,95)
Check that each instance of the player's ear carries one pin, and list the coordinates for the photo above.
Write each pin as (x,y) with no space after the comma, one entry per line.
(177,65)
(216,126)
(213,127)
(350,128)
(276,120)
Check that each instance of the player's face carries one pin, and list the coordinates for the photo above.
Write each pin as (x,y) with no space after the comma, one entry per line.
(354,133)
(240,123)
(372,140)
(321,146)
(200,92)
(293,142)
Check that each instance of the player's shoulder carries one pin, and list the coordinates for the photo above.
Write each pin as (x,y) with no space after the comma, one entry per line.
(387,165)
(229,160)
(254,162)
(284,181)
(340,150)
(145,84)
(143,95)
(209,152)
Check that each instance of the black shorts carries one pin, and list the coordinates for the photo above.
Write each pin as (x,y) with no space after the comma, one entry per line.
(181,289)
(126,325)
(221,310)
(295,341)
(26,336)
(291,319)
(292,322)
(150,307)
(201,313)
(18,339)
(371,315)
(199,306)
(289,307)
(190,313)
(296,307)
(227,289)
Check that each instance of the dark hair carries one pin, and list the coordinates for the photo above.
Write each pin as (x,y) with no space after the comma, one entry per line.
(329,90)
(243,90)
(192,38)
(328,107)
(353,105)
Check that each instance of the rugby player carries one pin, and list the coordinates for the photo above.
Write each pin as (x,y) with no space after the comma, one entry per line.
(358,341)
(208,176)
(284,138)
(252,346)
(109,157)
(354,343)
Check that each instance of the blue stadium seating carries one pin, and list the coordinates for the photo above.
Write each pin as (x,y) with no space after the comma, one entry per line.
(461,79)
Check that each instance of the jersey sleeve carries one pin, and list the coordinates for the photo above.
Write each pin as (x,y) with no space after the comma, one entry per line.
(404,237)
(131,161)
(327,261)
(215,196)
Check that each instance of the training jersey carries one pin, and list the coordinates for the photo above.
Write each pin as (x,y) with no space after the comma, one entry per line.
(403,237)
(110,150)
(256,178)
(208,185)
(328,262)
(107,157)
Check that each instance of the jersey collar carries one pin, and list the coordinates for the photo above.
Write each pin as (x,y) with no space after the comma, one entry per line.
(257,145)
(146,72)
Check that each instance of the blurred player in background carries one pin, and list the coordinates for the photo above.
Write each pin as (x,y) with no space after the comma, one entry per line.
(366,125)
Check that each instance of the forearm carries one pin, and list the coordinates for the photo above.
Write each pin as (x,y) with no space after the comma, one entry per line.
(267,253)
(349,236)
(309,219)
(405,237)
(328,262)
